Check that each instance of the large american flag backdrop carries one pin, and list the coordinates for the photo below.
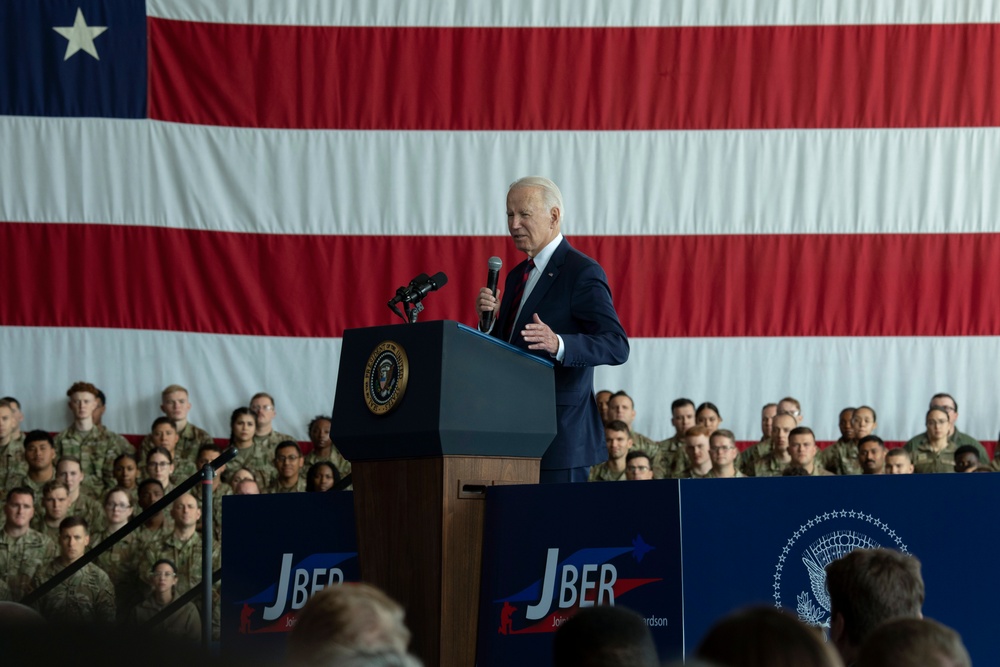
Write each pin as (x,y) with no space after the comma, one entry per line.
(789,198)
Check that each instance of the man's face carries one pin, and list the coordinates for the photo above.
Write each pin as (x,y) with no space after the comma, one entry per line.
(73,542)
(56,503)
(898,465)
(682,418)
(696,448)
(19,510)
(166,436)
(185,512)
(618,443)
(863,423)
(39,454)
(723,451)
(83,404)
(288,462)
(149,494)
(530,222)
(949,407)
(790,408)
(176,406)
(966,462)
(766,418)
(18,415)
(938,425)
(69,473)
(263,409)
(780,428)
(603,400)
(7,422)
(125,472)
(802,447)
(638,468)
(319,434)
(846,429)
(620,407)
(871,456)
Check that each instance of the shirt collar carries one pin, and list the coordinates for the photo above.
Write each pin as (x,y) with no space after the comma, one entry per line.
(545,254)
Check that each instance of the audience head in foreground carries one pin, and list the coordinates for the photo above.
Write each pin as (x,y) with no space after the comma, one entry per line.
(604,637)
(766,637)
(914,642)
(869,587)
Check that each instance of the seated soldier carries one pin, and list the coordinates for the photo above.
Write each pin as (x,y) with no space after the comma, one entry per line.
(955,437)
(185,624)
(118,562)
(158,526)
(898,462)
(164,435)
(604,635)
(242,426)
(913,642)
(622,408)
(92,444)
(323,448)
(696,453)
(966,459)
(803,449)
(70,472)
(15,406)
(183,546)
(55,500)
(708,415)
(752,455)
(603,398)
(638,466)
(723,452)
(288,463)
(668,457)
(618,442)
(160,466)
(40,455)
(88,595)
(871,455)
(775,461)
(12,464)
(22,549)
(175,404)
(207,454)
(126,473)
(265,437)
(935,452)
(841,458)
(246,486)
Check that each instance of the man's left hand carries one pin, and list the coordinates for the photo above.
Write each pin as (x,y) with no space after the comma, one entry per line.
(539,336)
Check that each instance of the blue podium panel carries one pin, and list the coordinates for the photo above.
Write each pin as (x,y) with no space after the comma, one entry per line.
(767,541)
(277,551)
(551,549)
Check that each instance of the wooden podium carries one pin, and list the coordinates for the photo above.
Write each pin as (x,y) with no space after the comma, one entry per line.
(430,415)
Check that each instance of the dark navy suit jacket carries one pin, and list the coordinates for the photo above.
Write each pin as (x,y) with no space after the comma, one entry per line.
(572,297)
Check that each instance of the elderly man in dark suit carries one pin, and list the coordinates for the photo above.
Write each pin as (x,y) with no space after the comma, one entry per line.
(557,303)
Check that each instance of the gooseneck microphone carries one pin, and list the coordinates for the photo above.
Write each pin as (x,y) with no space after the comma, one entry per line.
(487,319)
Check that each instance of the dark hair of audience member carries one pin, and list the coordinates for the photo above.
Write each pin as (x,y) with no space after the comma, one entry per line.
(604,637)
(913,642)
(311,475)
(766,637)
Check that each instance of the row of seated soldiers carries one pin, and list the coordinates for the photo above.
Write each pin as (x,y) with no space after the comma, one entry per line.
(702,449)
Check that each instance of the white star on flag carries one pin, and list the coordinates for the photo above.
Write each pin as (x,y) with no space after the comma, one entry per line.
(81,36)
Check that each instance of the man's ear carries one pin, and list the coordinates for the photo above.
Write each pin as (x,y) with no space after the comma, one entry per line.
(836,627)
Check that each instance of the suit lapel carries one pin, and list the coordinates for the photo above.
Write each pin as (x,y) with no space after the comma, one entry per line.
(543,285)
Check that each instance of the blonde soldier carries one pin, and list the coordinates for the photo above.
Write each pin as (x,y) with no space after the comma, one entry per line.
(22,550)
(88,595)
(95,446)
(175,405)
(619,443)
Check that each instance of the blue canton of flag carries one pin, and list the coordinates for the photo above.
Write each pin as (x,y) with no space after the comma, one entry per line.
(80,58)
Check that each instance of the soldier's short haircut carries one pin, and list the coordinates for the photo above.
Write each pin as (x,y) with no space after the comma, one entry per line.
(604,636)
(618,425)
(914,642)
(287,444)
(871,586)
(12,401)
(52,485)
(37,436)
(765,636)
(768,405)
(164,561)
(172,389)
(73,522)
(696,431)
(681,403)
(4,403)
(208,447)
(967,449)
(802,430)
(899,452)
(871,438)
(637,453)
(621,394)
(82,386)
(146,482)
(316,419)
(263,394)
(793,401)
(159,421)
(20,491)
(948,396)
(724,433)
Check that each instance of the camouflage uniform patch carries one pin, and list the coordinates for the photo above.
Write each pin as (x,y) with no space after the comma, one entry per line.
(86,597)
(97,450)
(21,557)
(602,472)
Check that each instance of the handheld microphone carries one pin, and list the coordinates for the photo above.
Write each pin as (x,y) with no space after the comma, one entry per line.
(487,319)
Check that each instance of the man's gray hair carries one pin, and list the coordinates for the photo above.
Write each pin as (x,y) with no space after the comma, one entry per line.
(550,191)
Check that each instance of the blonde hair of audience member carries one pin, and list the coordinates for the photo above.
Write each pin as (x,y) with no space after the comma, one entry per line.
(342,619)
(766,637)
(914,642)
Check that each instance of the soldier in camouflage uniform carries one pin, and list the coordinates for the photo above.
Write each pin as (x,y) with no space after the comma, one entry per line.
(669,460)
(55,500)
(696,452)
(618,442)
(88,595)
(95,446)
(184,623)
(207,454)
(622,408)
(265,437)
(12,464)
(841,458)
(164,435)
(324,449)
(936,453)
(775,462)
(243,425)
(723,452)
(288,466)
(898,462)
(126,473)
(638,466)
(69,472)
(871,455)
(119,561)
(803,450)
(40,455)
(22,550)
(955,437)
(157,528)
(176,405)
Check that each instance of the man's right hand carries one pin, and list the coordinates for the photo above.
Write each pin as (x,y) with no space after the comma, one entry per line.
(486,301)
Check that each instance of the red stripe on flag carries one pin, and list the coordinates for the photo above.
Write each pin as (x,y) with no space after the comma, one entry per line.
(686,286)
(840,76)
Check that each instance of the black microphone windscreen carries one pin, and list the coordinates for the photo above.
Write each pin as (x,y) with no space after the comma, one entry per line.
(439,280)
